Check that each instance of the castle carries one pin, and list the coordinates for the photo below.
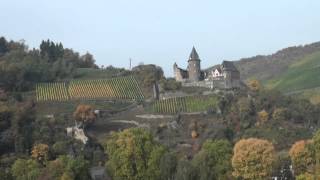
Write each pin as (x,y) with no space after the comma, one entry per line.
(224,76)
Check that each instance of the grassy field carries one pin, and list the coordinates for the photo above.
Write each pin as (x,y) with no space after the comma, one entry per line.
(302,76)
(185,104)
(90,73)
(68,107)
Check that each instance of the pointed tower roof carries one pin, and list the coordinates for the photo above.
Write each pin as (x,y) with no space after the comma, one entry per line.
(194,55)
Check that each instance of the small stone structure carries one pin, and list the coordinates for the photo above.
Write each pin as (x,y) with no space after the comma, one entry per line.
(225,76)
(77,133)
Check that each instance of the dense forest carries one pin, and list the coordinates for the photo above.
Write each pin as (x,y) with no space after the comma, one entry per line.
(252,133)
(21,67)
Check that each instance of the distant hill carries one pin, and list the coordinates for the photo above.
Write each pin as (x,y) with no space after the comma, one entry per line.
(302,74)
(293,70)
(266,67)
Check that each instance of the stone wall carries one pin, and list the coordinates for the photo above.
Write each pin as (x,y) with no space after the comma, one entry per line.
(207,84)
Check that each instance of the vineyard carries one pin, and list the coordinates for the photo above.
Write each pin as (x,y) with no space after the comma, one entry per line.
(52,92)
(185,104)
(115,88)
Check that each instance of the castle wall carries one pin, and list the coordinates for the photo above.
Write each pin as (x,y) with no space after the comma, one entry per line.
(180,74)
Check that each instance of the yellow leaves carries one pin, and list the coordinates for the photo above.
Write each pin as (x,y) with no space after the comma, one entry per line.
(254,85)
(194,134)
(300,157)
(40,152)
(85,114)
(263,117)
(298,147)
(253,158)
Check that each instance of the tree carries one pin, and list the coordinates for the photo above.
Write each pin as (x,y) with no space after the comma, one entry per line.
(3,46)
(263,117)
(168,166)
(300,157)
(87,61)
(66,167)
(52,50)
(245,110)
(40,152)
(280,114)
(170,84)
(84,114)
(185,171)
(133,154)
(148,74)
(305,176)
(314,149)
(253,158)
(26,169)
(213,161)
(254,85)
(5,116)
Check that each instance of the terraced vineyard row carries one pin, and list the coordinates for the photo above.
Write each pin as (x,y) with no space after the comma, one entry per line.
(52,92)
(185,104)
(116,88)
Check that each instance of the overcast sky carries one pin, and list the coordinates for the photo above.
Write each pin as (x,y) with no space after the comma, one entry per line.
(163,32)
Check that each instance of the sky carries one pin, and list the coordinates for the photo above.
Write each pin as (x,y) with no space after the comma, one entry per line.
(163,32)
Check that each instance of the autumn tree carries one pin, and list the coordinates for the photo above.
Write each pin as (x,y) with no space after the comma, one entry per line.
(300,157)
(40,152)
(253,158)
(263,117)
(84,114)
(133,155)
(213,161)
(254,85)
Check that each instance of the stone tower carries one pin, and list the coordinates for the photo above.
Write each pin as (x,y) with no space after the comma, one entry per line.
(231,75)
(194,69)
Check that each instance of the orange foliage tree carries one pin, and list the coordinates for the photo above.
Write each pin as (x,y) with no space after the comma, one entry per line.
(263,117)
(84,114)
(301,158)
(254,85)
(40,152)
(253,159)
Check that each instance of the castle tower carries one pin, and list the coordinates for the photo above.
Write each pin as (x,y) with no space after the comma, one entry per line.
(194,69)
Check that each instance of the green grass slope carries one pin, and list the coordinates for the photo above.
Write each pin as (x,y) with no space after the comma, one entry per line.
(90,73)
(302,75)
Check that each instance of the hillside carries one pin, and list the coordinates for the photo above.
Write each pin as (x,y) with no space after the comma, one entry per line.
(267,67)
(294,70)
(302,74)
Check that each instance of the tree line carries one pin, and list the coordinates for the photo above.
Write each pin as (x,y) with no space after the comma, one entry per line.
(21,67)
